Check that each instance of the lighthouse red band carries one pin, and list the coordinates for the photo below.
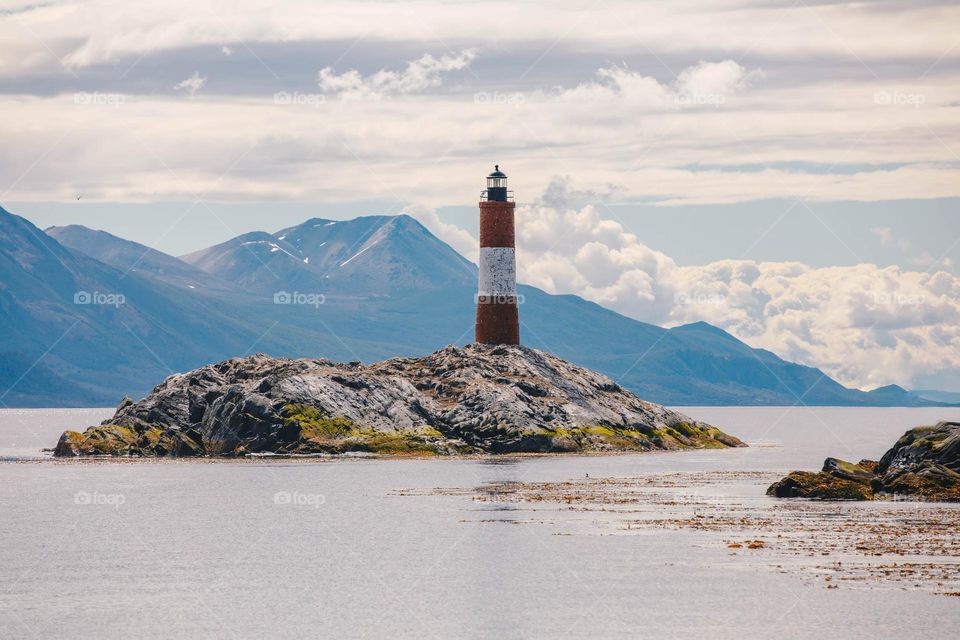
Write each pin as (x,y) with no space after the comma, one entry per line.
(498,317)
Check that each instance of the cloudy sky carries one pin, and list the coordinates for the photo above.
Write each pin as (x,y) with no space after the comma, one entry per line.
(787,170)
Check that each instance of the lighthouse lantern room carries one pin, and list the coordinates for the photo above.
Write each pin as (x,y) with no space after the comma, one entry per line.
(496,186)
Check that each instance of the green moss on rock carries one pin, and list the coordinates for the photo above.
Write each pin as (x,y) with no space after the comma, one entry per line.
(134,440)
(641,438)
(314,424)
(849,471)
(321,433)
(923,464)
(819,486)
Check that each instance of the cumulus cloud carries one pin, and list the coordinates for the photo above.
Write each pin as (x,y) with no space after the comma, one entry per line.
(865,325)
(889,238)
(885,235)
(192,85)
(930,262)
(704,84)
(422,73)
(561,194)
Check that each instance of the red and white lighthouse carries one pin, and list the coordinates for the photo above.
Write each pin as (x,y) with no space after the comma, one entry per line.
(498,317)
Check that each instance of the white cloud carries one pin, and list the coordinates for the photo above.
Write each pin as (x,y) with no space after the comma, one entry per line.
(435,149)
(865,325)
(93,32)
(192,85)
(885,234)
(619,82)
(422,73)
(227,51)
(639,140)
(889,238)
(704,84)
(930,262)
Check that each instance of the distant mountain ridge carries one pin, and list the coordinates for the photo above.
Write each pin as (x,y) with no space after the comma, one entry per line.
(390,286)
(127,256)
(81,325)
(934,395)
(375,255)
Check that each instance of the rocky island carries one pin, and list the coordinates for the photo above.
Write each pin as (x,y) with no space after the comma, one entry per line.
(471,400)
(923,464)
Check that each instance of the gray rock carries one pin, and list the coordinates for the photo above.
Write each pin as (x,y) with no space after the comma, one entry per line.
(924,464)
(478,398)
(939,444)
(848,471)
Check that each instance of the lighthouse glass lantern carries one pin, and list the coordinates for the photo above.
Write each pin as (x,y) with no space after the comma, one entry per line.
(497,185)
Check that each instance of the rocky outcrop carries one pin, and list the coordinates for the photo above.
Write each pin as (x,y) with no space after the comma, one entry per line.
(924,464)
(476,399)
(825,485)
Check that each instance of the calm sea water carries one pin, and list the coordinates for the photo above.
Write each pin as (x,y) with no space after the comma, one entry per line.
(326,548)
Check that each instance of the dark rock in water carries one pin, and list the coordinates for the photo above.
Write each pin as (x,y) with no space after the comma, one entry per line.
(823,486)
(137,440)
(923,446)
(924,464)
(478,399)
(848,471)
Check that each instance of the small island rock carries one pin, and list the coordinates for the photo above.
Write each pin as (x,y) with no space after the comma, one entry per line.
(923,464)
(476,399)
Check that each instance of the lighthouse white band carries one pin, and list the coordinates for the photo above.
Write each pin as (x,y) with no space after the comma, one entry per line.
(498,272)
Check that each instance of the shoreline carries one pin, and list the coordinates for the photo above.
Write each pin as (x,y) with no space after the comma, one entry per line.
(325,457)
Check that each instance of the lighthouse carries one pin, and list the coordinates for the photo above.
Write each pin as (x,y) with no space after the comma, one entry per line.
(498,318)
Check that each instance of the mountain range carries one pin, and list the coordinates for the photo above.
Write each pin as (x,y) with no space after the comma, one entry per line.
(87,317)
